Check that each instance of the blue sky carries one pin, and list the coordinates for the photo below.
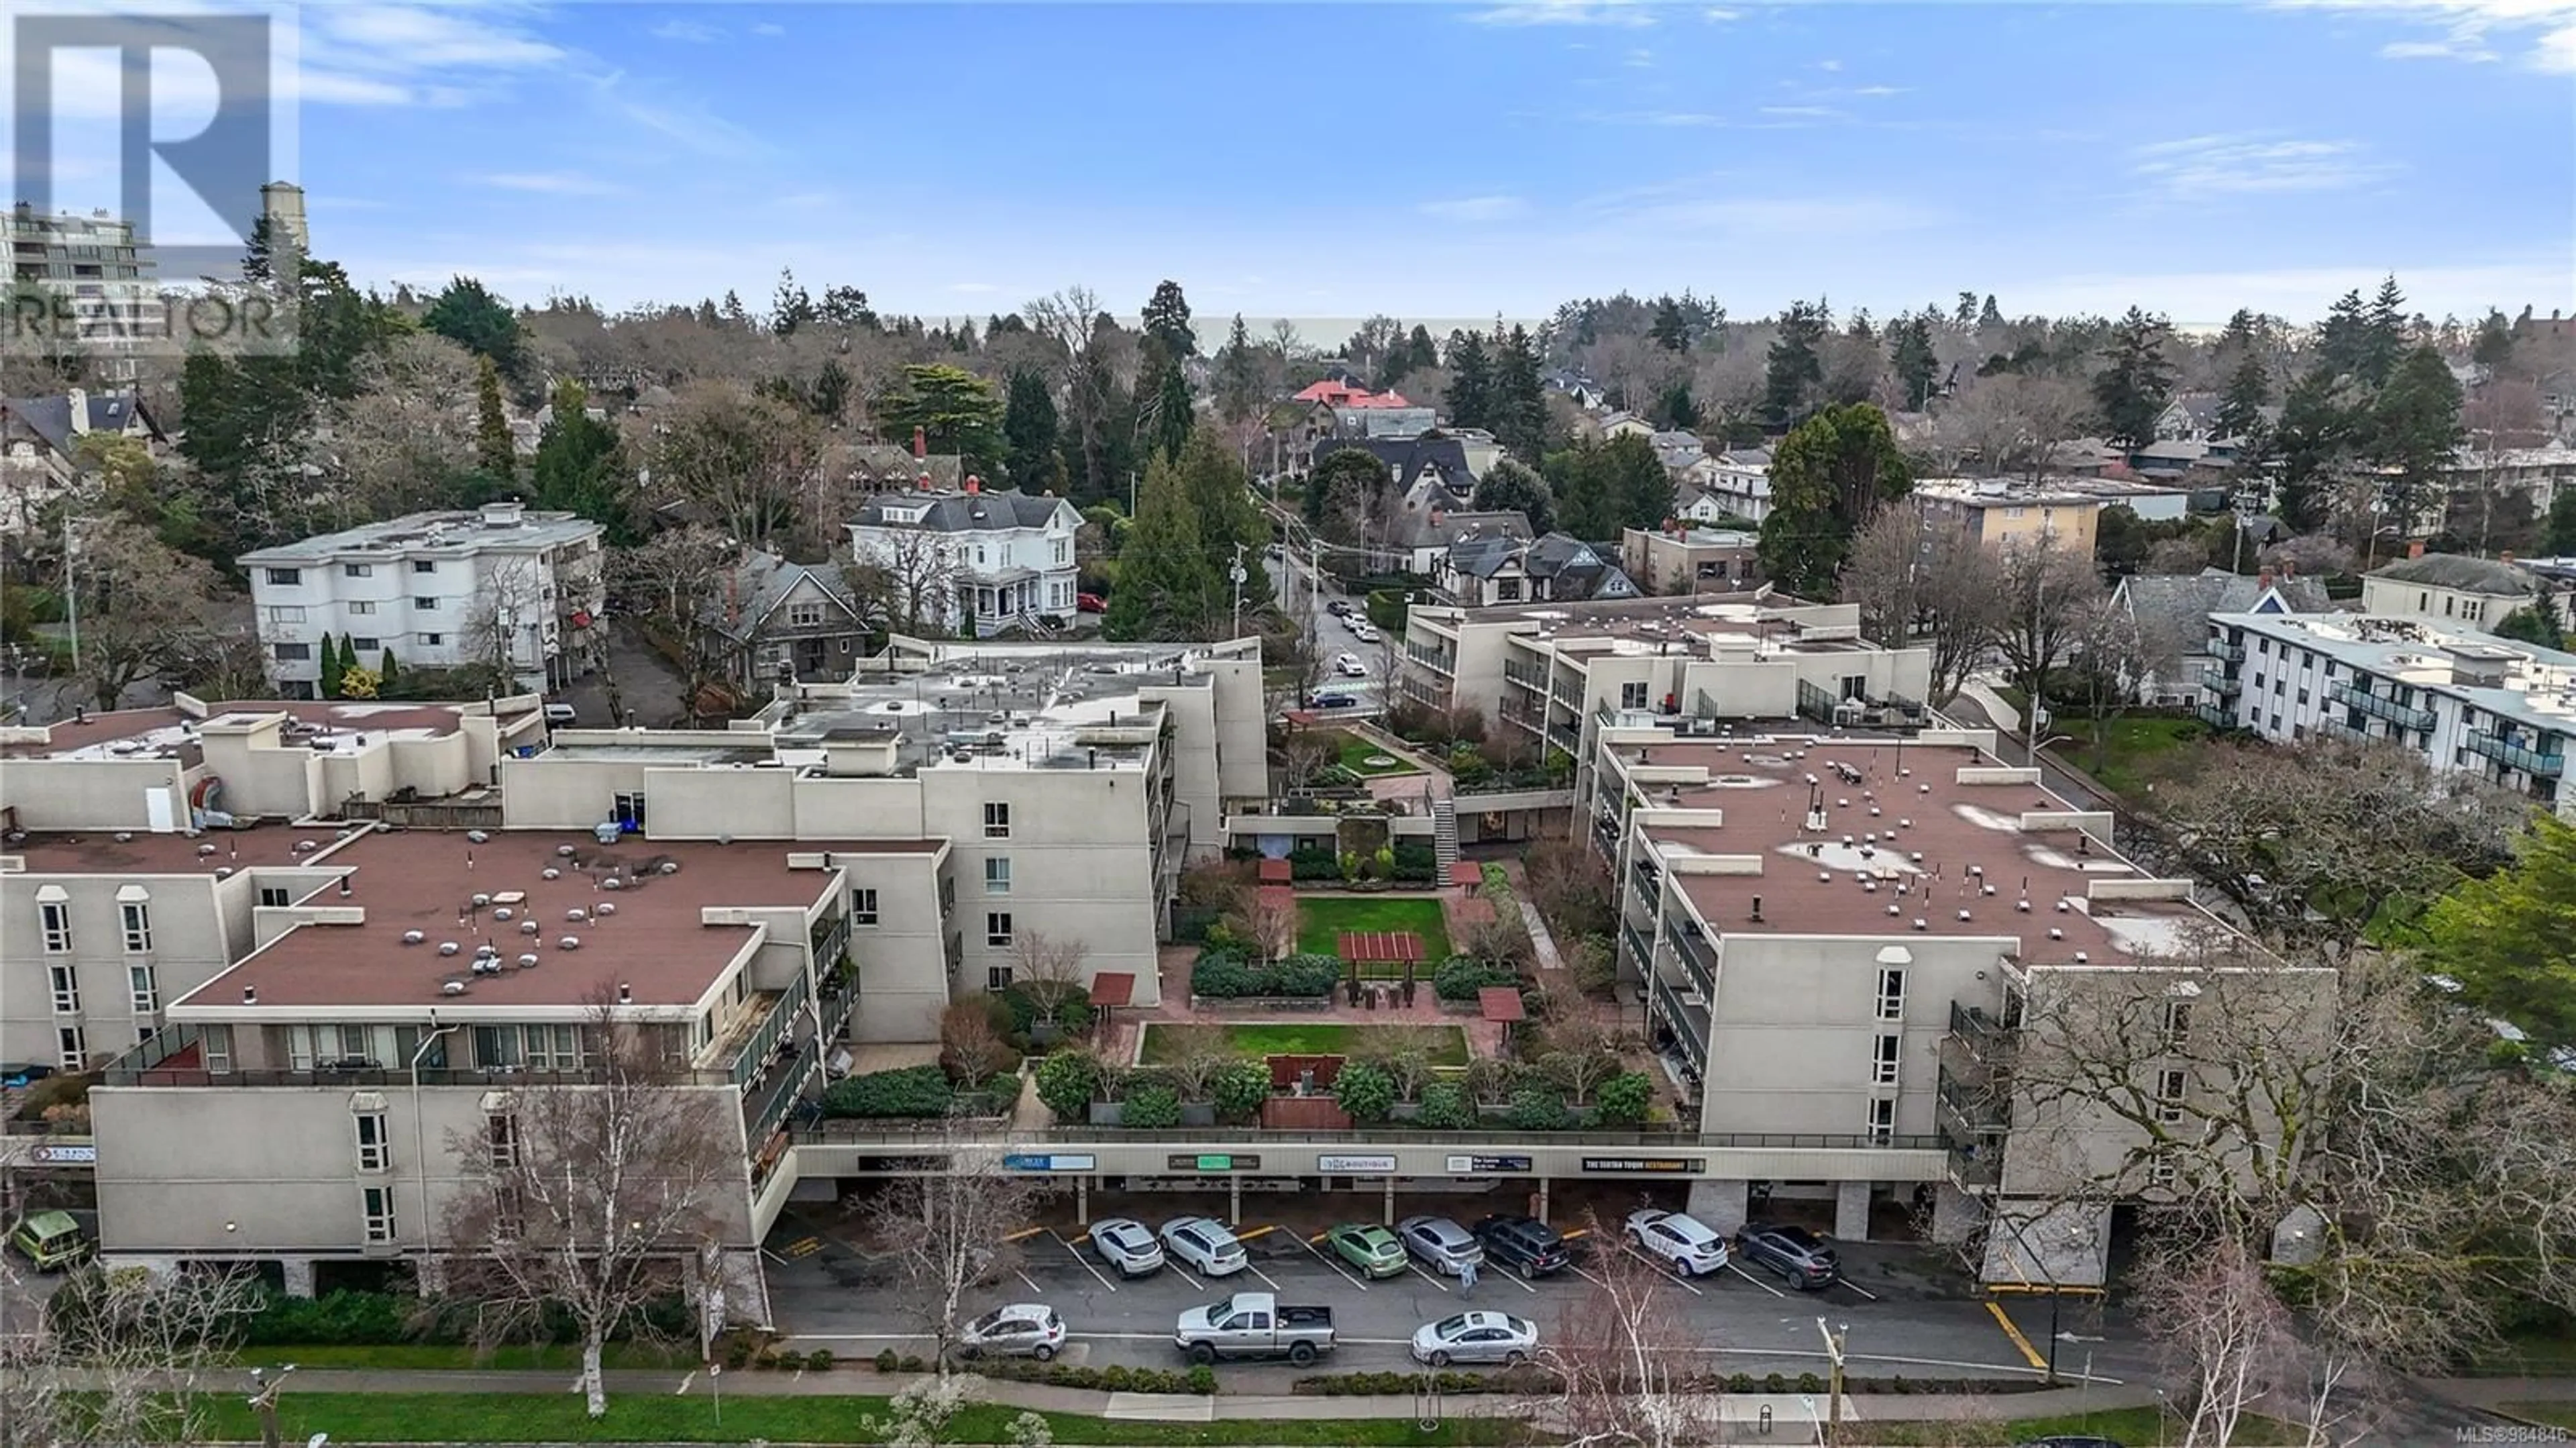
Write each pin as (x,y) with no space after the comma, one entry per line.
(1453,161)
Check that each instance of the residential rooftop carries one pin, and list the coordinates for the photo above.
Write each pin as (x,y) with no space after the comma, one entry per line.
(1861,835)
(495,525)
(143,852)
(2021,492)
(174,732)
(1700,625)
(2524,682)
(650,924)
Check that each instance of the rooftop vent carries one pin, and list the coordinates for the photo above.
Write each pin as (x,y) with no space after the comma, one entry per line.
(569,942)
(606,908)
(413,937)
(453,987)
(477,837)
(528,961)
(447,947)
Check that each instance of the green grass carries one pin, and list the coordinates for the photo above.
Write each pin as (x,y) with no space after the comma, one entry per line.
(2134,750)
(663,1418)
(2557,1415)
(1318,1038)
(444,1356)
(2532,1355)
(1321,922)
(1353,753)
(2123,1425)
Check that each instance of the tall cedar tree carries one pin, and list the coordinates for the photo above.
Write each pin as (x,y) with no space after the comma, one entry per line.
(1793,368)
(1220,497)
(1520,397)
(2560,540)
(2131,391)
(2505,937)
(1471,381)
(1672,328)
(494,451)
(1602,488)
(575,467)
(2383,333)
(1238,374)
(2494,347)
(1166,586)
(1510,486)
(2315,439)
(1911,358)
(1829,478)
(2414,431)
(2249,391)
(954,408)
(790,308)
(1168,422)
(1030,433)
(467,314)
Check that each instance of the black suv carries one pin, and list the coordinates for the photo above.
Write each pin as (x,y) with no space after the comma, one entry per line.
(1794,1252)
(1525,1244)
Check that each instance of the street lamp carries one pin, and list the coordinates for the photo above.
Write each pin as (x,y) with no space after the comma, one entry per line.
(263,1401)
(2045,743)
(1834,1337)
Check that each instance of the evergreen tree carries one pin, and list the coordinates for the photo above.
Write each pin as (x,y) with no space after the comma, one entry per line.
(734,315)
(494,452)
(2383,334)
(1167,321)
(2240,334)
(1420,356)
(1169,423)
(2130,392)
(790,308)
(2313,441)
(1238,374)
(1792,368)
(348,660)
(1966,315)
(1911,358)
(1672,328)
(329,684)
(2560,540)
(955,410)
(831,397)
(471,317)
(1675,410)
(1166,586)
(1520,397)
(1990,315)
(1471,382)
(576,465)
(1220,498)
(1829,478)
(1030,433)
(2249,391)
(2343,341)
(2505,937)
(2494,347)
(2535,623)
(1510,486)
(386,669)
(2414,432)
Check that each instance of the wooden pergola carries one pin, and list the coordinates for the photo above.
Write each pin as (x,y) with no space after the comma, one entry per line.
(1277,872)
(1109,990)
(1381,947)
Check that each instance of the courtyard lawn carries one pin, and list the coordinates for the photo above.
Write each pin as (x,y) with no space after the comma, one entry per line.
(1317,1038)
(1353,753)
(1321,923)
(2560,1415)
(2135,749)
(2120,1425)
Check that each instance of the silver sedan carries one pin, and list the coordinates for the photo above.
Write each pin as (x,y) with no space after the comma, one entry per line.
(1476,1337)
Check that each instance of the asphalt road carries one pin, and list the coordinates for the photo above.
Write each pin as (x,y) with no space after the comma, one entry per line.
(1744,1321)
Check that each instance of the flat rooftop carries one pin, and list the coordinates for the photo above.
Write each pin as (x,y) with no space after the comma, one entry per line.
(1076,707)
(650,938)
(450,532)
(2531,684)
(1697,626)
(1983,492)
(141,852)
(337,725)
(1932,849)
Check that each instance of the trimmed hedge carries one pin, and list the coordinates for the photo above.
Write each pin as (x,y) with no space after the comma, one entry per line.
(1445,1107)
(379,1319)
(1415,861)
(1117,1378)
(1461,976)
(1152,1108)
(1229,974)
(1308,862)
(912,1091)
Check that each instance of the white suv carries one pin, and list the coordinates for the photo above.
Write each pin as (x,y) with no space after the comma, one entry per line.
(1684,1244)
(1204,1245)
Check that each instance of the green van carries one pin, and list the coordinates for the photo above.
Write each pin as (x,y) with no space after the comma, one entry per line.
(50,1240)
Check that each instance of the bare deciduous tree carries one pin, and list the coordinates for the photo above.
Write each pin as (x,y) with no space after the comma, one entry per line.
(1406,1052)
(144,607)
(1624,1361)
(908,577)
(2233,1347)
(1270,923)
(1921,584)
(969,1046)
(2046,589)
(1581,1049)
(404,441)
(598,1198)
(946,1231)
(1049,971)
(740,460)
(117,1356)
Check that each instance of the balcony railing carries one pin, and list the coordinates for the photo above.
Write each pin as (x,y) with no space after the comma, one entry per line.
(831,942)
(773,1028)
(2216,716)
(935,1135)
(1688,1021)
(2217,680)
(1698,956)
(1975,1161)
(2514,755)
(2381,706)
(1530,676)
(1971,1111)
(1565,737)
(1639,946)
(167,1060)
(2226,652)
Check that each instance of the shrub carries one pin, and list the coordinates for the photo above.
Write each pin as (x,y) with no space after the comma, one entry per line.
(737,1354)
(1622,1100)
(1074,1017)
(1221,973)
(1414,861)
(1068,1082)
(1226,974)
(1152,1108)
(1460,977)
(1774,1383)
(1240,1088)
(1307,975)
(1491,1078)
(912,1091)
(1445,1107)
(1538,1109)
(767,1360)
(1365,1090)
(1810,1383)
(887,1359)
(1311,863)
(1115,1377)
(1201,1380)
(911,1363)
(819,1360)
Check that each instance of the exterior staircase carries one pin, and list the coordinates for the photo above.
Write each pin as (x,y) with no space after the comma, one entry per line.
(1444,836)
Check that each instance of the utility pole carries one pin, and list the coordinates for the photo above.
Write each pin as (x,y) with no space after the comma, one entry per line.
(71,588)
(1237,575)
(1834,1337)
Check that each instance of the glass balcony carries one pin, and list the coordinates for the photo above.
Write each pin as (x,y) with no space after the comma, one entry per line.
(2216,716)
(1565,737)
(2513,754)
(2381,706)
(1698,956)
(2226,652)
(1690,1022)
(1641,948)
(2217,680)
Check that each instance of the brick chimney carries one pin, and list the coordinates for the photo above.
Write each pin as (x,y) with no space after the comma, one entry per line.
(2415,549)
(2263,581)
(2506,556)
(974,484)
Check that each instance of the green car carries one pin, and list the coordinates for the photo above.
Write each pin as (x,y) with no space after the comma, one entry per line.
(1373,1250)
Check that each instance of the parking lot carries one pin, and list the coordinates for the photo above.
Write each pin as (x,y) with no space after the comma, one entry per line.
(1747,1320)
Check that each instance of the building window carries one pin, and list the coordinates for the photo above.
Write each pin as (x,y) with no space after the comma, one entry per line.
(215,1044)
(1882,1120)
(552,1048)
(286,613)
(293,653)
(1883,1060)
(432,640)
(58,927)
(375,1152)
(424,565)
(2177,1027)
(366,645)
(273,895)
(1891,995)
(285,577)
(804,615)
(376,1204)
(357,570)
(628,809)
(66,989)
(2169,1094)
(997,978)
(997,929)
(1632,696)
(863,907)
(997,875)
(145,988)
(997,820)
(425,601)
(73,1046)
(362,606)
(1507,590)
(138,926)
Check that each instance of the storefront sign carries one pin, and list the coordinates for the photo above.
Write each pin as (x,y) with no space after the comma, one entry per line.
(1213,1162)
(63,1155)
(1355,1165)
(1058,1162)
(1486,1165)
(1658,1165)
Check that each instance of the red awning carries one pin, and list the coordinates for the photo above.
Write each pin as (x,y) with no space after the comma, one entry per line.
(1276,872)
(1396,946)
(1500,1003)
(1113,988)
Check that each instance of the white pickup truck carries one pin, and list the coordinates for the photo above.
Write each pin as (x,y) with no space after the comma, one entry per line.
(1252,1325)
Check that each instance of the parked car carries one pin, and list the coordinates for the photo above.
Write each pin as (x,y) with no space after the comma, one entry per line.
(1206,1246)
(1684,1244)
(50,1240)
(1254,1324)
(1128,1245)
(1363,630)
(1441,1244)
(1023,1329)
(1090,603)
(1476,1337)
(1794,1252)
(1339,608)
(1350,667)
(1370,1248)
(1527,1245)
(559,714)
(1334,700)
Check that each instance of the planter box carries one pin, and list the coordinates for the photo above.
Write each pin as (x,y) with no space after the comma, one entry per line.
(1198,1113)
(1108,1113)
(1462,1008)
(1263,1003)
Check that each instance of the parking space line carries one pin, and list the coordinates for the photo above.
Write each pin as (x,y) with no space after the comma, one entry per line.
(1756,1281)
(1175,1264)
(1255,1232)
(1334,1262)
(1426,1276)
(1085,1261)
(2012,1330)
(1680,1278)
(1025,1232)
(1264,1276)
(1856,1287)
(1513,1278)
(1033,1282)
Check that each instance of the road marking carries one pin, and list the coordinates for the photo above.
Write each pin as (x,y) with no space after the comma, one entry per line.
(1856,1287)
(683,1389)
(1339,1270)
(1679,1278)
(1033,1282)
(1513,1278)
(1086,1262)
(1175,1264)
(1023,1232)
(1756,1281)
(1425,1276)
(1255,1232)
(1264,1276)
(2004,1321)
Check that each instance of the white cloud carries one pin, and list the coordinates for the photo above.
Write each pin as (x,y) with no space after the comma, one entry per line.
(2435,50)
(1624,13)
(1802,112)
(687,122)
(770,28)
(1716,16)
(688,32)
(2197,167)
(551,183)
(1877,90)
(1476,208)
(1829,65)
(1640,59)
(2548,26)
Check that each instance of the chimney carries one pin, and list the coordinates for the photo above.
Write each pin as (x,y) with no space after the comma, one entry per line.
(920,443)
(80,410)
(2506,556)
(974,484)
(2263,580)
(2289,568)
(2415,549)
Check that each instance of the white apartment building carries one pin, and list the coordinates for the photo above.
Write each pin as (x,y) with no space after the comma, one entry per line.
(2454,590)
(1000,558)
(437,590)
(95,274)
(1821,923)
(2461,699)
